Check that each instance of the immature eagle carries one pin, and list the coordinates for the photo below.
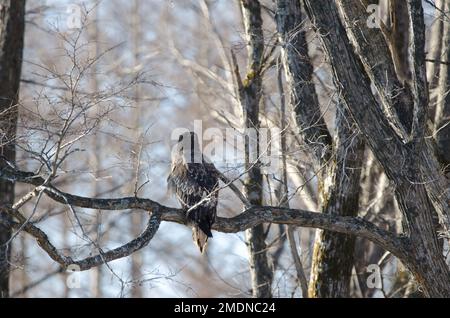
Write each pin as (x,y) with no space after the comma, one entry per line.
(194,181)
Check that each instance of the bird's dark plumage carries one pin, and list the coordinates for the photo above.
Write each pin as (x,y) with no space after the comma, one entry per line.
(195,183)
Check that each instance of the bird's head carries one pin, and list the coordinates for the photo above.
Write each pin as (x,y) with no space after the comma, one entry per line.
(187,149)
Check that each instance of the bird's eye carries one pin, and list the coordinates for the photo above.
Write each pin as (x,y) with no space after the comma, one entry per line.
(180,138)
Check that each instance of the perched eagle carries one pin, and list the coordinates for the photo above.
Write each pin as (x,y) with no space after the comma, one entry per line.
(194,181)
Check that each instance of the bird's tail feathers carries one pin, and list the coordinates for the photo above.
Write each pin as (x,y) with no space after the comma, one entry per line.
(200,238)
(200,220)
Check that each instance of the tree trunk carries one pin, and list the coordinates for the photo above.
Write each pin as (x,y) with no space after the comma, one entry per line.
(333,253)
(299,71)
(405,165)
(380,65)
(12,26)
(136,219)
(442,116)
(339,183)
(376,203)
(403,103)
(250,96)
(97,272)
(399,28)
(283,197)
(435,46)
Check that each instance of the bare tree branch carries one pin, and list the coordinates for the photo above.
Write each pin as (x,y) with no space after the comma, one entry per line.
(92,261)
(249,218)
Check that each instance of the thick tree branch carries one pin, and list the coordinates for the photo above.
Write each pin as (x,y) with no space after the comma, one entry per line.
(249,218)
(89,262)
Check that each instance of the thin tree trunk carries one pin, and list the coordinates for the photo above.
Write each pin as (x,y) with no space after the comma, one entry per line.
(399,28)
(442,116)
(435,47)
(137,219)
(12,27)
(333,253)
(299,71)
(97,272)
(284,194)
(250,97)
(66,231)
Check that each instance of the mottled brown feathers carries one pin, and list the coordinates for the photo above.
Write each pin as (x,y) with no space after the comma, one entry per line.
(195,185)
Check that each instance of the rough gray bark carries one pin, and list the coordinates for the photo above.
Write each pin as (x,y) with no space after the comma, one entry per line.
(379,64)
(442,116)
(416,54)
(299,71)
(414,197)
(250,96)
(12,25)
(405,100)
(333,254)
